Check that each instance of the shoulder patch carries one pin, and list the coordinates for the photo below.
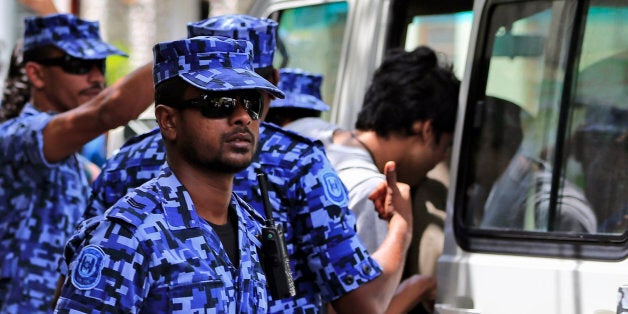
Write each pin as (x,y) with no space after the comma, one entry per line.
(87,272)
(334,189)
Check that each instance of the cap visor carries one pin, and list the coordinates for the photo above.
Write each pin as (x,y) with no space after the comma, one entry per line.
(230,79)
(89,49)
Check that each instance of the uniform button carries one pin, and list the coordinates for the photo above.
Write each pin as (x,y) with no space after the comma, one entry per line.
(367,269)
(348,279)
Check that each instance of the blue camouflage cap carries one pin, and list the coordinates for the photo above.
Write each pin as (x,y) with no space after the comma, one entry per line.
(259,31)
(76,37)
(303,90)
(212,63)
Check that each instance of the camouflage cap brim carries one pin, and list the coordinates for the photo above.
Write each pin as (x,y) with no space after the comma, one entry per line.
(212,63)
(89,49)
(230,79)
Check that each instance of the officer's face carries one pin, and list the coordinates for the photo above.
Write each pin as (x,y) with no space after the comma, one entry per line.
(67,83)
(216,142)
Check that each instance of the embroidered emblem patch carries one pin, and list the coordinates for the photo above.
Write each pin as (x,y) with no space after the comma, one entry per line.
(333,188)
(88,269)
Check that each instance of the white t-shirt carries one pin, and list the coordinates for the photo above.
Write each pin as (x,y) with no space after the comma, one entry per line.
(360,175)
(315,128)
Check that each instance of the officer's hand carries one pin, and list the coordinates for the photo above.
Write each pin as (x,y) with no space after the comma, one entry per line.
(392,197)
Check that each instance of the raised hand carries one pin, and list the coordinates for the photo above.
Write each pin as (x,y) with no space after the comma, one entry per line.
(392,197)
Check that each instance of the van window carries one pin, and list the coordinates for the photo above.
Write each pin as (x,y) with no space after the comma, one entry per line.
(597,146)
(545,146)
(447,34)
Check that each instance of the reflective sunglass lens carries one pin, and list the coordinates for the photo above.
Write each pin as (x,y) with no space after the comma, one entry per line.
(253,107)
(218,107)
(221,107)
(73,65)
(78,66)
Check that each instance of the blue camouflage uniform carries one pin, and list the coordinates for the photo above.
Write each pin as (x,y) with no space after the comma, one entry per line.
(136,162)
(40,202)
(310,198)
(152,253)
(326,257)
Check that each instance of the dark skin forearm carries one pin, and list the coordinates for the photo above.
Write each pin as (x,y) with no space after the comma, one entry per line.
(412,291)
(392,201)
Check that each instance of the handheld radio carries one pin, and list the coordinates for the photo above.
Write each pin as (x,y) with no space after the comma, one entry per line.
(274,254)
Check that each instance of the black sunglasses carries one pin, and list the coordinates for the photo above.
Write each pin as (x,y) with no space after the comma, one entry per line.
(74,65)
(218,106)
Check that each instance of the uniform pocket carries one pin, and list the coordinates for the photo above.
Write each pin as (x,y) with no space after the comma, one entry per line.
(208,294)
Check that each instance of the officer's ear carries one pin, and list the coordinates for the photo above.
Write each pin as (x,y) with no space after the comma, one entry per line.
(275,77)
(167,119)
(34,72)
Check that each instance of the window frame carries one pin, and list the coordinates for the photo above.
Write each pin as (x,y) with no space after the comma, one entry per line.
(530,243)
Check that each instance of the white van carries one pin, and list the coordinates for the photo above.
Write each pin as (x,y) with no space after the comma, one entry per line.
(537,210)
(538,205)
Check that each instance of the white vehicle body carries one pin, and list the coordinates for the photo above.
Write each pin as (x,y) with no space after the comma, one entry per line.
(488,268)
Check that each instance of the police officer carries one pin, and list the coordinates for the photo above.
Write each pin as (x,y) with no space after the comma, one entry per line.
(183,241)
(327,259)
(43,187)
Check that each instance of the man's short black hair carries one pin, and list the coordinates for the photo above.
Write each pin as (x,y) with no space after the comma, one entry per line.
(39,53)
(170,92)
(409,87)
